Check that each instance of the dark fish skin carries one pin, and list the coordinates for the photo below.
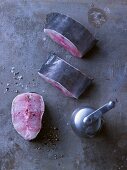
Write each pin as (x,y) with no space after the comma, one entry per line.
(69,79)
(72,30)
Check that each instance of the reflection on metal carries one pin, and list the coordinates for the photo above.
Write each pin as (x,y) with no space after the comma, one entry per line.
(87,121)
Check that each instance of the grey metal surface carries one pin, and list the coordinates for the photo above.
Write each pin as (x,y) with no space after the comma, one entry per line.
(87,122)
(24,46)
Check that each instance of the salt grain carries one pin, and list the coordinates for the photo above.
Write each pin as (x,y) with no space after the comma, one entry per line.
(20,77)
(12,69)
(44,38)
(26,87)
(15,74)
(16,91)
(7,89)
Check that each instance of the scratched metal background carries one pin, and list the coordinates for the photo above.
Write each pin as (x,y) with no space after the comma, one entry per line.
(24,46)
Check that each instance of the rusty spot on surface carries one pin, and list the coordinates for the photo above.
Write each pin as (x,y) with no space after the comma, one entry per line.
(97,17)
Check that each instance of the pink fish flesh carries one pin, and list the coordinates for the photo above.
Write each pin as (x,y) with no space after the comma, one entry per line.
(27,112)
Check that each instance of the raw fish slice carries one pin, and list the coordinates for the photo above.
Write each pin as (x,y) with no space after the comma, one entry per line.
(64,76)
(69,33)
(27,111)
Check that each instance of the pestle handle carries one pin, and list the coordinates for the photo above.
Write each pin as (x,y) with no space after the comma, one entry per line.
(99,112)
